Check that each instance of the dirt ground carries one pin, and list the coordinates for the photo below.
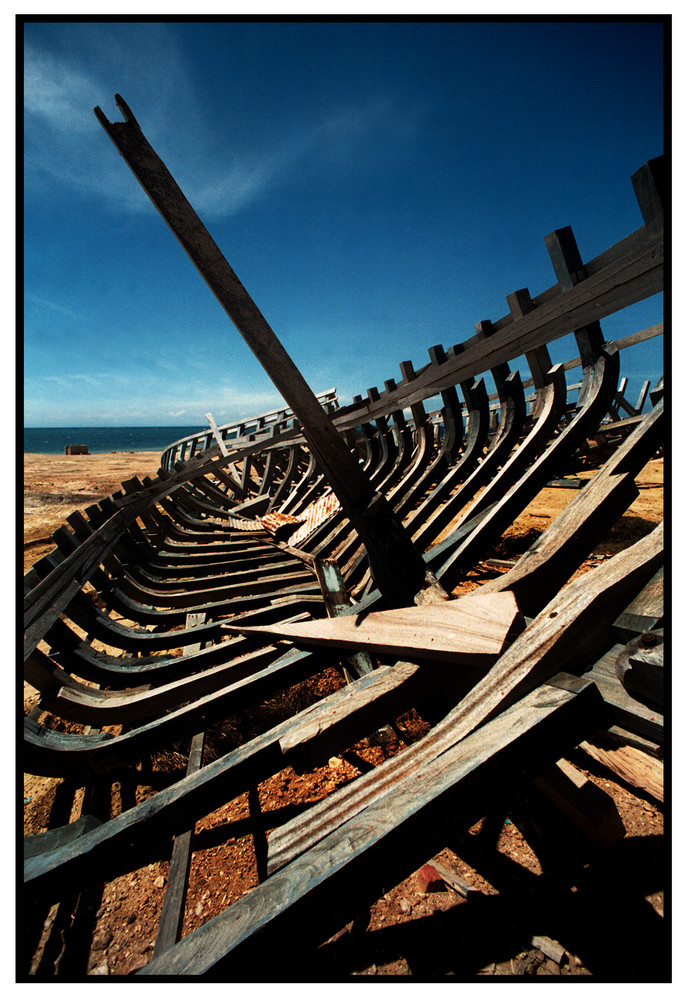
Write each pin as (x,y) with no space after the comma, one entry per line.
(603,907)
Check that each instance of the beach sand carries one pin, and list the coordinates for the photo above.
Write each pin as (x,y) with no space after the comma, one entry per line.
(55,485)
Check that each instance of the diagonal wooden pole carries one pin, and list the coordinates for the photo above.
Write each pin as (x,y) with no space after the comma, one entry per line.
(397,566)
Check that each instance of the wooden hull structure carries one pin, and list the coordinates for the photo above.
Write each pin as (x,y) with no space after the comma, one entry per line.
(237,573)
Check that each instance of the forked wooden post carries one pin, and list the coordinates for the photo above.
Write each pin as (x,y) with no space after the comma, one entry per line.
(398,568)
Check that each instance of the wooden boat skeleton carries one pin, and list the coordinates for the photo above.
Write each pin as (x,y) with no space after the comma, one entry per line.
(311,520)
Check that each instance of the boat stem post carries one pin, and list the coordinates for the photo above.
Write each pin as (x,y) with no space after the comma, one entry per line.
(397,566)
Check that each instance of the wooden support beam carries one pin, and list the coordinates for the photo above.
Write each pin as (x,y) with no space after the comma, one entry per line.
(569,269)
(172,913)
(538,358)
(629,763)
(398,568)
(650,183)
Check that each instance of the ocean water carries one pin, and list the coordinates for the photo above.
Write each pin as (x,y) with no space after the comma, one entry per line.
(101,440)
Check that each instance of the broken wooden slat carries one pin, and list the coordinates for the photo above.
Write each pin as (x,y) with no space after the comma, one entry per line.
(630,764)
(466,630)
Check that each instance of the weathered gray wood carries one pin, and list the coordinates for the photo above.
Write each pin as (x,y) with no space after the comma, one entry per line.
(172,913)
(600,377)
(446,501)
(640,667)
(624,709)
(347,714)
(645,611)
(51,840)
(51,753)
(332,878)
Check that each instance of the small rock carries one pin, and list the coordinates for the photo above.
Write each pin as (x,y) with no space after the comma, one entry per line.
(132,917)
(159,882)
(548,968)
(199,909)
(101,970)
(404,906)
(102,939)
(430,879)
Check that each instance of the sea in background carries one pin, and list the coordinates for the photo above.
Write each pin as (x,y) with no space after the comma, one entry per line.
(101,440)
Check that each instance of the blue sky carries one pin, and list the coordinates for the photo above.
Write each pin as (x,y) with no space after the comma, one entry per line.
(378,188)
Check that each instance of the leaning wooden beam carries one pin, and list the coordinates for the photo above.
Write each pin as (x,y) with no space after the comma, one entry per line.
(397,566)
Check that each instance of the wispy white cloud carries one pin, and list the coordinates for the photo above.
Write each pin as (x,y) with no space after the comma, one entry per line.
(110,397)
(148,68)
(55,306)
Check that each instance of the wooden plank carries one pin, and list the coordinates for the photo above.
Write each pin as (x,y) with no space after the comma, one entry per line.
(633,765)
(645,611)
(172,913)
(466,630)
(51,753)
(216,434)
(446,501)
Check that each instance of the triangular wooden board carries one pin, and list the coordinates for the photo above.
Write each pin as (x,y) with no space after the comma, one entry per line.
(467,630)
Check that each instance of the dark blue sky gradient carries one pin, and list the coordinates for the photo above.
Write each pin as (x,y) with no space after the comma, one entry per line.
(378,187)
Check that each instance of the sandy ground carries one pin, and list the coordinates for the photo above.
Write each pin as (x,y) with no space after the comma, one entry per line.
(55,485)
(409,931)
